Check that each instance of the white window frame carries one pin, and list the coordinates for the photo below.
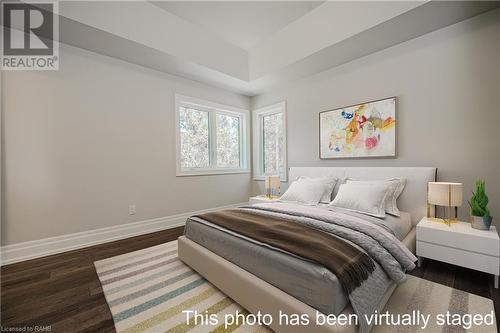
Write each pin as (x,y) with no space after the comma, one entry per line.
(258,140)
(213,109)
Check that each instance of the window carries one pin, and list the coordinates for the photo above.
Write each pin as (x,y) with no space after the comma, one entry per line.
(195,143)
(269,135)
(211,138)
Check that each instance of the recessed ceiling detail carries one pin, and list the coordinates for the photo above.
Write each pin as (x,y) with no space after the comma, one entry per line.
(241,23)
(250,47)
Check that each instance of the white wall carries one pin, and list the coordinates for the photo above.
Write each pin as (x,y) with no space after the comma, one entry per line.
(447,84)
(84,142)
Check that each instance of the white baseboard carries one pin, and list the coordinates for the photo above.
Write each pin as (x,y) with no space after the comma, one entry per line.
(47,246)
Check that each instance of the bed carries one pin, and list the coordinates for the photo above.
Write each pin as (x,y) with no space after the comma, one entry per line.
(263,278)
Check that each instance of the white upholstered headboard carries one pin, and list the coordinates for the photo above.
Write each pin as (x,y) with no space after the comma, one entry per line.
(414,197)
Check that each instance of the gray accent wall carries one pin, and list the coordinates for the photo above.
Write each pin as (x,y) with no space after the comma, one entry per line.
(448,88)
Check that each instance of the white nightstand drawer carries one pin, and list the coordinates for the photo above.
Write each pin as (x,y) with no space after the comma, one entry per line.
(459,257)
(460,235)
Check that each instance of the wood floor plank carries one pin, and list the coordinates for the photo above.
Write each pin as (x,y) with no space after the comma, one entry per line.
(19,280)
(44,263)
(17,311)
(63,312)
(45,288)
(439,272)
(83,320)
(472,281)
(104,326)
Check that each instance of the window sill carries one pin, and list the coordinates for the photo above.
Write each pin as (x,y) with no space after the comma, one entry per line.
(210,172)
(263,178)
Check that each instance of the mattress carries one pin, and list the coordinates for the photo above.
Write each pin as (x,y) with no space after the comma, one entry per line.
(306,280)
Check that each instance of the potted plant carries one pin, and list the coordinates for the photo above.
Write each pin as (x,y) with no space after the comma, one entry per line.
(480,214)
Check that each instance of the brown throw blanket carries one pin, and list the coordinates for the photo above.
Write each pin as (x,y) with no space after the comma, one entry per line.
(351,265)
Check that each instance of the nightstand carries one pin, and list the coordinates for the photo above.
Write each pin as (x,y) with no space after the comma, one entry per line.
(459,244)
(261,199)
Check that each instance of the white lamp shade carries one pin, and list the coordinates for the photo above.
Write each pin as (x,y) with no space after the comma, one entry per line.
(445,194)
(272,182)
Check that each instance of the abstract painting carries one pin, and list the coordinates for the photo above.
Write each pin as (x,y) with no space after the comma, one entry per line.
(357,131)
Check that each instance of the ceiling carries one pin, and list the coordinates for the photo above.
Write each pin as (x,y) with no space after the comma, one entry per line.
(242,23)
(252,47)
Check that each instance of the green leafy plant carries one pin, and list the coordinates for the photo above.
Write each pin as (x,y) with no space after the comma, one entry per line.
(479,201)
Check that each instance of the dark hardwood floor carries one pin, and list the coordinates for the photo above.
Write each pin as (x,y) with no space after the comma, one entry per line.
(62,291)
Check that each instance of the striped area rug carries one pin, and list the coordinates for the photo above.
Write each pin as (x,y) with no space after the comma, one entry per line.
(435,299)
(147,291)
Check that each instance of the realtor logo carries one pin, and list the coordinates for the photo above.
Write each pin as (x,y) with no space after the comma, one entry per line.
(29,30)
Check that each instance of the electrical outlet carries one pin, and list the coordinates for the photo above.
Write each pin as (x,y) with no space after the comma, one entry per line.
(131,209)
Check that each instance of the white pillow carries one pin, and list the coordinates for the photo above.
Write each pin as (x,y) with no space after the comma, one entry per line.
(304,191)
(396,186)
(362,197)
(329,181)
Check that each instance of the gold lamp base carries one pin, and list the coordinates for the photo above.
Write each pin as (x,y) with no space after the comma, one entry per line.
(448,221)
(445,221)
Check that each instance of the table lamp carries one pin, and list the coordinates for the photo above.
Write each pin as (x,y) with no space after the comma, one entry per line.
(445,194)
(272,183)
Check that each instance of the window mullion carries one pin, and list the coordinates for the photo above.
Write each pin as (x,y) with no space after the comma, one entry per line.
(241,142)
(262,147)
(213,138)
(277,143)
